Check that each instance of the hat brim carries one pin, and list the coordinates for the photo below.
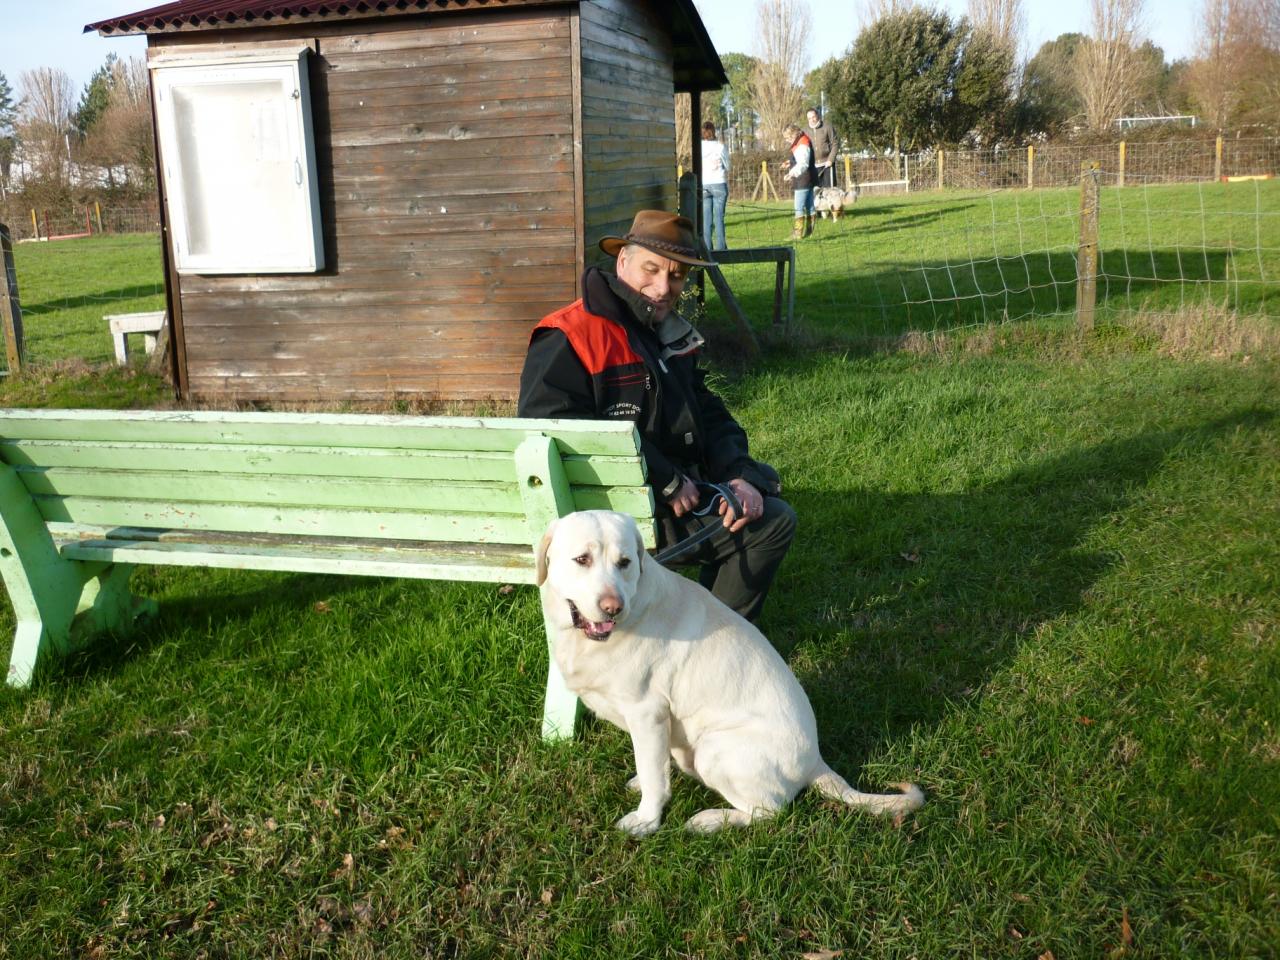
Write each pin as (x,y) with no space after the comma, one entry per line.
(612,246)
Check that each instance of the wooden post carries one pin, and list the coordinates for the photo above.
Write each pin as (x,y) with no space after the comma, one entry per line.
(1120,183)
(940,162)
(848,172)
(1087,255)
(35,223)
(10,308)
(97,212)
(1031,167)
(1217,159)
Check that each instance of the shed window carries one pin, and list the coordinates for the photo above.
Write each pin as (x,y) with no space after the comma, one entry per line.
(239,162)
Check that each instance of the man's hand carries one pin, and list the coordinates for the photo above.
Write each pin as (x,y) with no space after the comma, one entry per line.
(752,501)
(684,500)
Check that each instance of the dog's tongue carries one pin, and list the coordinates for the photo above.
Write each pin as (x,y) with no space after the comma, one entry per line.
(601,629)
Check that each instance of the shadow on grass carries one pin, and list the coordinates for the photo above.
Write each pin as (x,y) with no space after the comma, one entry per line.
(104,299)
(893,607)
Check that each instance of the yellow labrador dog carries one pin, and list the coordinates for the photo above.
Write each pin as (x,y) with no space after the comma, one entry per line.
(690,680)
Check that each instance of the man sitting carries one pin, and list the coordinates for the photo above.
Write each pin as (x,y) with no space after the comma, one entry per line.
(622,351)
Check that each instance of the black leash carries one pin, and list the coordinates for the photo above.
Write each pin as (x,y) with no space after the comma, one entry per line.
(718,491)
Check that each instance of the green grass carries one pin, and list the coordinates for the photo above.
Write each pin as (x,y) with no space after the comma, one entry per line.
(1036,573)
(66,287)
(936,261)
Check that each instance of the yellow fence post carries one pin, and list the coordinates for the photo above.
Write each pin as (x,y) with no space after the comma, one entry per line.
(97,212)
(35,223)
(1122,157)
(1217,159)
(940,162)
(1031,167)
(848,172)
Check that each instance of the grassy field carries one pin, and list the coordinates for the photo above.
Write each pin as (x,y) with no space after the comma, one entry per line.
(1036,573)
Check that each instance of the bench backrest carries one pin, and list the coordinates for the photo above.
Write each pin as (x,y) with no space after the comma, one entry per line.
(442,479)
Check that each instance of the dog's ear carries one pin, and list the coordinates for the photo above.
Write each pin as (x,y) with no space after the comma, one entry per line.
(642,556)
(540,554)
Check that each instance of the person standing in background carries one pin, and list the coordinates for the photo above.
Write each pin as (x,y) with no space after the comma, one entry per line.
(800,171)
(715,187)
(825,146)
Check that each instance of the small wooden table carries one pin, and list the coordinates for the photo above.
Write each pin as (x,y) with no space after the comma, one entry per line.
(121,325)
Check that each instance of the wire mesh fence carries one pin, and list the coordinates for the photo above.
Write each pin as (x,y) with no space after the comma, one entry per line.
(1037,166)
(934,261)
(41,222)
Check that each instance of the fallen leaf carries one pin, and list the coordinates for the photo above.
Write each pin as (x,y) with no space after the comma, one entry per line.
(1015,933)
(1022,898)
(911,557)
(547,896)
(1047,955)
(158,822)
(1086,721)
(321,606)
(823,954)
(506,589)
(1126,931)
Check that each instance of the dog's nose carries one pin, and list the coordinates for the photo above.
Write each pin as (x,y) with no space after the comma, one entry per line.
(610,605)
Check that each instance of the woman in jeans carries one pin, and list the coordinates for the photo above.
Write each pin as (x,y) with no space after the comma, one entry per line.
(800,171)
(715,187)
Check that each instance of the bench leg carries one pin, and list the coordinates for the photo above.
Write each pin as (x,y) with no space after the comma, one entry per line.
(103,604)
(122,351)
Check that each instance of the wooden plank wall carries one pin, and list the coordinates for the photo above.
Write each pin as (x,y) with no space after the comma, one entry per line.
(446,165)
(628,116)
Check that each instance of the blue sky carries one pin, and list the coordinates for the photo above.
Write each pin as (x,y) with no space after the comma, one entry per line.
(36,33)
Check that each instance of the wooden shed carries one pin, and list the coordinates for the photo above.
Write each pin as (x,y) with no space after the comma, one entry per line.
(366,199)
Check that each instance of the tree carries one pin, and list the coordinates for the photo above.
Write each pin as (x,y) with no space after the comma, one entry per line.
(1234,55)
(1109,70)
(782,48)
(869,11)
(8,132)
(1002,20)
(739,108)
(1048,99)
(916,79)
(96,95)
(120,142)
(44,124)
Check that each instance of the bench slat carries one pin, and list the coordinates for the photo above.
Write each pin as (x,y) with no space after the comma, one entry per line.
(612,471)
(511,566)
(317,492)
(295,521)
(611,438)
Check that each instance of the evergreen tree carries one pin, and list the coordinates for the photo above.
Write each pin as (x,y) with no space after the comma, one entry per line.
(96,96)
(8,129)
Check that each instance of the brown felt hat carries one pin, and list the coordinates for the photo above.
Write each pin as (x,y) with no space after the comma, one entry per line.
(666,234)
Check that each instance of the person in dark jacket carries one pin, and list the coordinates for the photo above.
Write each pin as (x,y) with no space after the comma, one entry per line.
(622,351)
(826,143)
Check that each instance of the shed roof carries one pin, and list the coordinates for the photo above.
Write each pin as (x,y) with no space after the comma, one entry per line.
(697,65)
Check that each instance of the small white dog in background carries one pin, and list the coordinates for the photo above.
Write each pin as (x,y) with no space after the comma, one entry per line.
(689,680)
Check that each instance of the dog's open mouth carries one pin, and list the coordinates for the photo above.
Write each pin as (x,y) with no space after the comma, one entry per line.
(596,631)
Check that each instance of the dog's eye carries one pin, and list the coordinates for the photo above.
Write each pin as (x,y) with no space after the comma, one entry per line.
(583,561)
(624,562)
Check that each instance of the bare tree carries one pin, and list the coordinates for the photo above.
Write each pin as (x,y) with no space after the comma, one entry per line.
(782,49)
(869,11)
(1237,54)
(1004,21)
(46,101)
(1108,69)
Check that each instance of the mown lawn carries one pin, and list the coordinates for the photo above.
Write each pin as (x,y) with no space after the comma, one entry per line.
(1036,574)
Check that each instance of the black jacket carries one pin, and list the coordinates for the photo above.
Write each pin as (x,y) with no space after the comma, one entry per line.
(595,360)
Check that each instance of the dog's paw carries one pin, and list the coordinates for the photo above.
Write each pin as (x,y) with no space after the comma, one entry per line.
(637,824)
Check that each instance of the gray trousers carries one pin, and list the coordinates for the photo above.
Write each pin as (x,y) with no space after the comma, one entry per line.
(737,568)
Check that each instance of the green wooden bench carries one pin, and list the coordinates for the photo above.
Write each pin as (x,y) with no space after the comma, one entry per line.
(86,495)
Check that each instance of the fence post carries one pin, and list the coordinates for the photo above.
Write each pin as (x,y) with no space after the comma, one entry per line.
(1217,159)
(848,172)
(940,152)
(10,309)
(1031,167)
(1122,156)
(1087,255)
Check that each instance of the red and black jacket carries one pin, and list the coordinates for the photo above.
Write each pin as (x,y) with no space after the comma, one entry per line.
(594,360)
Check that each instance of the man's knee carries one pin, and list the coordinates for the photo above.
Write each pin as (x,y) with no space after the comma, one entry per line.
(778,524)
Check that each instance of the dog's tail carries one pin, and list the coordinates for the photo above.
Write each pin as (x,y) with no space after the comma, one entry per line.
(833,786)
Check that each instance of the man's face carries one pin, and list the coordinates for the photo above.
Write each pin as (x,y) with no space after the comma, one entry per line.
(813,118)
(653,276)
